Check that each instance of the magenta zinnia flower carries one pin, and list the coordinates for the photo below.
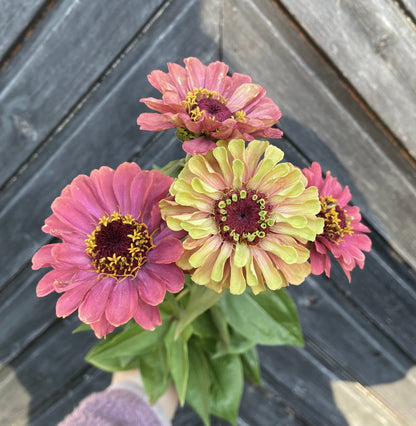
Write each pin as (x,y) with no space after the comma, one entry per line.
(206,105)
(343,232)
(117,256)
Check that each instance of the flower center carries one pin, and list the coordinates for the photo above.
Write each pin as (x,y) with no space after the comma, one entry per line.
(213,103)
(336,223)
(243,216)
(118,245)
(214,109)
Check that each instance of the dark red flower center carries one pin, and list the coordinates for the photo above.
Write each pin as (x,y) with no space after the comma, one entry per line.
(214,108)
(118,246)
(243,216)
(337,224)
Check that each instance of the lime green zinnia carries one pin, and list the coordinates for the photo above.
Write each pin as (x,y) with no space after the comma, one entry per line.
(248,217)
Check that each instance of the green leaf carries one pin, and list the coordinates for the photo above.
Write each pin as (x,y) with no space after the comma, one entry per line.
(177,351)
(251,366)
(220,321)
(270,318)
(227,386)
(203,326)
(201,299)
(155,373)
(82,327)
(237,344)
(198,394)
(173,168)
(131,342)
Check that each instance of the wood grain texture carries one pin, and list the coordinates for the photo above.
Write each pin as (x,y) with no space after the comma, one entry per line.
(358,363)
(372,44)
(63,61)
(320,122)
(104,132)
(15,17)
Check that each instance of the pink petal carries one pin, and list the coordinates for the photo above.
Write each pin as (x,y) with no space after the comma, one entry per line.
(243,95)
(317,261)
(70,300)
(216,76)
(199,145)
(83,192)
(102,327)
(147,189)
(122,303)
(71,213)
(147,316)
(171,275)
(71,255)
(178,75)
(160,81)
(43,257)
(94,304)
(152,288)
(123,177)
(169,250)
(102,180)
(196,73)
(154,121)
(45,285)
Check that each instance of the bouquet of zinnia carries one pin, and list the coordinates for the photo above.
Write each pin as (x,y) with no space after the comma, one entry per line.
(181,269)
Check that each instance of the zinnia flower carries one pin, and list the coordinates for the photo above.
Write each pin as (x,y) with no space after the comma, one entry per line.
(343,232)
(116,258)
(206,105)
(248,220)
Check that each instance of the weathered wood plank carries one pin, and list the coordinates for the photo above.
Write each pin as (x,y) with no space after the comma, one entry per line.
(323,119)
(107,119)
(62,62)
(368,40)
(42,371)
(65,400)
(15,16)
(410,5)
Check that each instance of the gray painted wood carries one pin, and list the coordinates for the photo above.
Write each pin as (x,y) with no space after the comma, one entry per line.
(319,122)
(15,17)
(367,40)
(74,48)
(105,127)
(357,366)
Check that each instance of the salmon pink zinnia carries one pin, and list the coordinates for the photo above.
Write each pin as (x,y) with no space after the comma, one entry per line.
(248,218)
(206,105)
(343,234)
(117,256)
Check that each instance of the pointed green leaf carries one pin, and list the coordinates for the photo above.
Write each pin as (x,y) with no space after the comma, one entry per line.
(131,342)
(270,318)
(177,351)
(201,299)
(227,386)
(198,394)
(155,374)
(82,327)
(220,321)
(251,366)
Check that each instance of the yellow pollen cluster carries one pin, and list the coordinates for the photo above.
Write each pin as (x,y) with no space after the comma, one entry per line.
(334,228)
(240,116)
(192,98)
(118,246)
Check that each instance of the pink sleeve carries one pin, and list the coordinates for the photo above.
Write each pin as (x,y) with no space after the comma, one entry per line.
(115,405)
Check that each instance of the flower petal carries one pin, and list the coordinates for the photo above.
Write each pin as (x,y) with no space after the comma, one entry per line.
(122,303)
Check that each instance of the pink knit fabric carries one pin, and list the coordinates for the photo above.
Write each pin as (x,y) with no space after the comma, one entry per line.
(112,407)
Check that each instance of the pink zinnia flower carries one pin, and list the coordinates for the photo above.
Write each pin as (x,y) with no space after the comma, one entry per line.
(117,256)
(343,232)
(206,105)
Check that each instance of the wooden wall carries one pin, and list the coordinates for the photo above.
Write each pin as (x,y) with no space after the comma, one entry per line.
(343,74)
